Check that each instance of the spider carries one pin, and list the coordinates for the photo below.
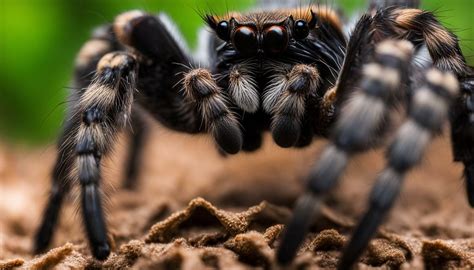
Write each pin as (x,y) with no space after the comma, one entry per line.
(290,71)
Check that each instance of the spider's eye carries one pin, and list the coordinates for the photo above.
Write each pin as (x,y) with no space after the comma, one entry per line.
(223,30)
(301,29)
(245,40)
(275,39)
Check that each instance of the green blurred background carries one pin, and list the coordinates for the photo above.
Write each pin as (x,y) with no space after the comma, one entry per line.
(39,40)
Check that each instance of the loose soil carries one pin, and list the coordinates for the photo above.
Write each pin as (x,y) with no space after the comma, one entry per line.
(194,209)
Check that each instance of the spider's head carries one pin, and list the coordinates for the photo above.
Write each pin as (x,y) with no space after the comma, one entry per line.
(262,32)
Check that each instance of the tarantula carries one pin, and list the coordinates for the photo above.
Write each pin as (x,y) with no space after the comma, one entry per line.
(290,71)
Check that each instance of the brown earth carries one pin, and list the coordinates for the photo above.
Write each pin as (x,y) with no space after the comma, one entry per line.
(166,223)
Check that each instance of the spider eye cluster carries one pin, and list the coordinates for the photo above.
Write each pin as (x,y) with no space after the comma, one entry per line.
(252,38)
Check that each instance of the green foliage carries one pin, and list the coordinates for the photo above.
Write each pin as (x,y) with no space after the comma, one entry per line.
(39,40)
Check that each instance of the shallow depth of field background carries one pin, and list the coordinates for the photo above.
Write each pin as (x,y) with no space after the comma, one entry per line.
(39,40)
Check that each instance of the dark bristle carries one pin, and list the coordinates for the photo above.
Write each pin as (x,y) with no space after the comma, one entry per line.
(210,21)
(314,20)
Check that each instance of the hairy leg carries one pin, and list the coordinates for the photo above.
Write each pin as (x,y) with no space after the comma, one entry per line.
(61,185)
(201,88)
(420,27)
(428,112)
(285,98)
(163,61)
(102,106)
(302,84)
(102,111)
(414,25)
(444,49)
(101,42)
(93,122)
(363,118)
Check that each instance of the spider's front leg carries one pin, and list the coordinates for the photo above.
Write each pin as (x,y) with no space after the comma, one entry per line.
(201,88)
(285,99)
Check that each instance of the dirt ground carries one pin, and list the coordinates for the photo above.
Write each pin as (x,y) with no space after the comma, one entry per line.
(196,210)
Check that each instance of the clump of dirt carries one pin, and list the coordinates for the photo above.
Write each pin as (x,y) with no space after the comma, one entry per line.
(194,209)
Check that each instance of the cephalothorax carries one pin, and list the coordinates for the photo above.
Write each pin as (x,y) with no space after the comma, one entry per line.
(292,72)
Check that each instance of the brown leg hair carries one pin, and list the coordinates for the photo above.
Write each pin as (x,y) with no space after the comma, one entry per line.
(101,43)
(203,90)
